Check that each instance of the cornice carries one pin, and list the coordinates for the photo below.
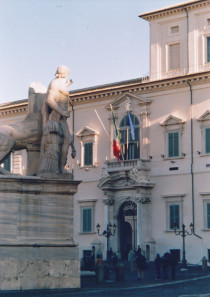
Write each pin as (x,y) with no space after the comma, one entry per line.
(106,93)
(13,109)
(175,9)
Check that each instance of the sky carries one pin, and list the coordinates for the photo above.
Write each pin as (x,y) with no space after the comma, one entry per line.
(100,41)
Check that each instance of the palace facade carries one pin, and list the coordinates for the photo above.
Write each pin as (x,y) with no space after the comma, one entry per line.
(163,177)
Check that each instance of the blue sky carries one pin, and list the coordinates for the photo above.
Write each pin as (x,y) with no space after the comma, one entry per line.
(101,41)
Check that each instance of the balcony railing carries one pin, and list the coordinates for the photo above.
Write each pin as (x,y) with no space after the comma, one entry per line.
(114,165)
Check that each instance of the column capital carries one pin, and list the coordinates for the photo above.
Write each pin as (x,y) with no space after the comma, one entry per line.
(109,200)
(143,199)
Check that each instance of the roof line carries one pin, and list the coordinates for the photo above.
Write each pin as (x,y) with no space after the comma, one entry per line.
(180,5)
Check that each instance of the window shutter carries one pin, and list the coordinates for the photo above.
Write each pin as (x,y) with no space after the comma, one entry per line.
(87,220)
(174,216)
(173,144)
(207,140)
(208,49)
(88,153)
(208,215)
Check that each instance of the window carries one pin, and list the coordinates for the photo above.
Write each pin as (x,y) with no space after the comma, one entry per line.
(173,144)
(174,210)
(174,29)
(87,215)
(207,140)
(204,121)
(174,56)
(88,141)
(208,215)
(88,154)
(208,49)
(130,149)
(7,163)
(173,138)
(174,216)
(87,220)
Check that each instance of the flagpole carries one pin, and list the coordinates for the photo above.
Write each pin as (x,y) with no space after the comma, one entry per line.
(116,131)
(127,142)
(103,126)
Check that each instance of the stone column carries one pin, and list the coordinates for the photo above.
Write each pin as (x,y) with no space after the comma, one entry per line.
(139,228)
(107,202)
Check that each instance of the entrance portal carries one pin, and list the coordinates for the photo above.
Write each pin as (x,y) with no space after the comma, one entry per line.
(128,230)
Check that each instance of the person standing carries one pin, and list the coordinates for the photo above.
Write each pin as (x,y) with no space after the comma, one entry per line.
(165,262)
(173,263)
(158,263)
(141,264)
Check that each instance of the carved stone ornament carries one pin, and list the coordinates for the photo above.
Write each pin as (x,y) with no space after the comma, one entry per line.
(108,201)
(139,177)
(143,200)
(104,174)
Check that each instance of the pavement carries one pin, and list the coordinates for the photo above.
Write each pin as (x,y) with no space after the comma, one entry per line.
(129,285)
(88,279)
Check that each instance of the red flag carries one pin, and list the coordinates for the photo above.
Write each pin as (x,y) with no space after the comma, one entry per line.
(116,139)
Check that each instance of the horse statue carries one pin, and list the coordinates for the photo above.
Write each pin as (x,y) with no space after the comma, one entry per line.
(44,133)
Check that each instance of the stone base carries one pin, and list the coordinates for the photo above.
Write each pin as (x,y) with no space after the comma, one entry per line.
(37,250)
(25,268)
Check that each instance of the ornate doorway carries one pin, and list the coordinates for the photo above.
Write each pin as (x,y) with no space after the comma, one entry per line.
(128,228)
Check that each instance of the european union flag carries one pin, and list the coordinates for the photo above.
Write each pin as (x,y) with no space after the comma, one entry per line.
(129,123)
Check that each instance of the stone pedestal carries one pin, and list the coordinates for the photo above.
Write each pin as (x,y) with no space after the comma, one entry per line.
(37,250)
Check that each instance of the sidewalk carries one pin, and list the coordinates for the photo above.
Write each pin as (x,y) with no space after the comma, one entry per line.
(88,280)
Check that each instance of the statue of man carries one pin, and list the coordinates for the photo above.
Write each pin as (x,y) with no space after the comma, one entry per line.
(55,113)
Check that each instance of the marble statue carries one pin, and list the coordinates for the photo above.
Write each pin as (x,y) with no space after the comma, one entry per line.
(44,130)
(56,138)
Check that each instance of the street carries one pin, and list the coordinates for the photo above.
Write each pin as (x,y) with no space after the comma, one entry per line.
(194,287)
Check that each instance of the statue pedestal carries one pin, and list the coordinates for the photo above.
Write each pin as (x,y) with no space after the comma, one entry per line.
(37,250)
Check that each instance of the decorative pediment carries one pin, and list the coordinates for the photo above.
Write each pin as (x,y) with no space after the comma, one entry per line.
(172,120)
(204,117)
(122,180)
(128,98)
(86,131)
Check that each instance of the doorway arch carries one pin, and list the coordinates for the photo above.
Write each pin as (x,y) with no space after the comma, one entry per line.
(128,228)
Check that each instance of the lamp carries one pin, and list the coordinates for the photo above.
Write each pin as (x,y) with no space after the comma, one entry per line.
(183,233)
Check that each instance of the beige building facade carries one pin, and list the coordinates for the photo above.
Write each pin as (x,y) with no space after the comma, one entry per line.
(162,179)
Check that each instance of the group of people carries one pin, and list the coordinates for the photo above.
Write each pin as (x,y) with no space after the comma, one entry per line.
(163,263)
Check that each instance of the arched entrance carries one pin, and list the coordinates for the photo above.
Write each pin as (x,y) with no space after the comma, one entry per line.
(128,230)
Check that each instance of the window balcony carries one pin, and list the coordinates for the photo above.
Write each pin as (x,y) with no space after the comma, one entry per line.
(125,165)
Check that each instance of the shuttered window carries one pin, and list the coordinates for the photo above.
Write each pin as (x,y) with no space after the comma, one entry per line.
(174,216)
(88,151)
(207,140)
(173,144)
(208,215)
(87,220)
(208,49)
(174,56)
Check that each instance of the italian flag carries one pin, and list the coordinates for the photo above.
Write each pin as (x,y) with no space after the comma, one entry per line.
(116,139)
